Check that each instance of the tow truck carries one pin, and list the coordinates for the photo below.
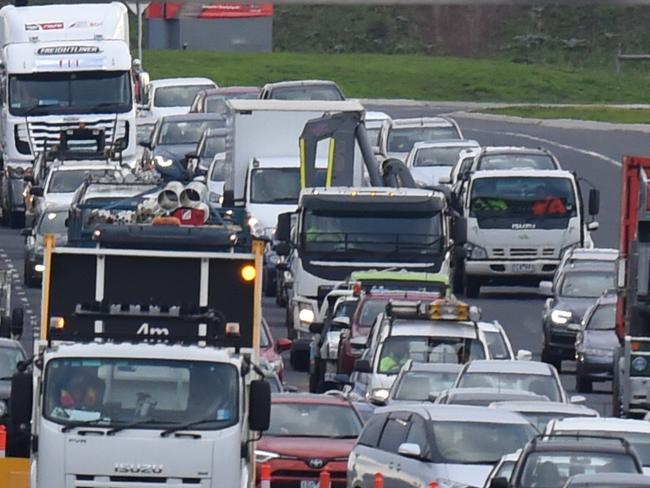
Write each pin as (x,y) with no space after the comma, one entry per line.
(147,355)
(631,384)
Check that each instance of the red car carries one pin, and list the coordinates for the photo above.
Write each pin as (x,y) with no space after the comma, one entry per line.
(308,434)
(271,350)
(352,342)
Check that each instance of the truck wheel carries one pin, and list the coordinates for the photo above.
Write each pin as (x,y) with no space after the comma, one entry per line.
(458,279)
(551,358)
(584,385)
(29,279)
(16,220)
(472,287)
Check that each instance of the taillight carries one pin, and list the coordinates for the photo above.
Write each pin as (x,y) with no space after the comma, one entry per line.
(434,484)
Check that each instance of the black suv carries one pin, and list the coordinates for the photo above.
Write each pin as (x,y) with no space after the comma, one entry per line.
(549,461)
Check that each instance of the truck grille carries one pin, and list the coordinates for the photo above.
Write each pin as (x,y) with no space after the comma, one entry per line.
(42,133)
(523,252)
(98,481)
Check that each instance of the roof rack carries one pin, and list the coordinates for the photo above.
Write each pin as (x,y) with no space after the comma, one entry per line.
(578,436)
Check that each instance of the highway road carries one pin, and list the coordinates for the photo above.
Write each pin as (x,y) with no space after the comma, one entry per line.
(594,154)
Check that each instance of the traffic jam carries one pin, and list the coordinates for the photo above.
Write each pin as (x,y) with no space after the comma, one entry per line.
(278,287)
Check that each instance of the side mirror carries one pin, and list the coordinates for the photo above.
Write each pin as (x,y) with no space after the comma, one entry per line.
(444,180)
(19,422)
(379,397)
(593,226)
(577,399)
(460,231)
(342,322)
(499,483)
(283,344)
(26,232)
(282,248)
(546,288)
(259,415)
(594,201)
(37,191)
(524,355)
(316,327)
(362,366)
(283,230)
(409,450)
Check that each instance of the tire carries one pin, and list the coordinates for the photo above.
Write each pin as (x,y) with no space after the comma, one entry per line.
(28,276)
(584,385)
(472,287)
(551,358)
(16,220)
(458,279)
(299,356)
(269,285)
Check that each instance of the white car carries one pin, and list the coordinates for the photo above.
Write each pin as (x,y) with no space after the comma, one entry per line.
(636,432)
(431,162)
(215,179)
(398,136)
(173,96)
(373,122)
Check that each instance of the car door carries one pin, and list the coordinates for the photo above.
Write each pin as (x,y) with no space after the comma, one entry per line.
(418,472)
(389,461)
(363,463)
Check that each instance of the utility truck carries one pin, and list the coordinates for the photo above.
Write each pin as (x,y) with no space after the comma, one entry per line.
(145,369)
(62,67)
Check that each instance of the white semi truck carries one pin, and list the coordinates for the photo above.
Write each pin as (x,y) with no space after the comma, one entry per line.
(62,67)
(145,371)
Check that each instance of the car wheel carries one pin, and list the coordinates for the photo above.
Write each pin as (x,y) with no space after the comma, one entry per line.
(472,287)
(269,284)
(584,385)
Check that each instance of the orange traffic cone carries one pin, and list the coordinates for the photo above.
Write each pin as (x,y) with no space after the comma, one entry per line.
(379,480)
(265,476)
(325,480)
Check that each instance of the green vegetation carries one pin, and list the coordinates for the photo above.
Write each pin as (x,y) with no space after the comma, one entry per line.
(600,114)
(410,76)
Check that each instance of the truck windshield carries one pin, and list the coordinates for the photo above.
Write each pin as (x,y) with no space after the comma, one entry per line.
(69,181)
(177,96)
(396,350)
(66,93)
(523,202)
(278,185)
(402,139)
(112,392)
(389,234)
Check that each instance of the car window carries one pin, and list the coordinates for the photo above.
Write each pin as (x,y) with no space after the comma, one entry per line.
(394,434)
(516,161)
(402,139)
(369,311)
(496,345)
(545,385)
(603,318)
(372,430)
(177,96)
(9,359)
(418,435)
(587,285)
(437,156)
(418,385)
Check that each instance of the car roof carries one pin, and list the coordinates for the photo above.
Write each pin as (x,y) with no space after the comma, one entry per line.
(192,116)
(434,367)
(462,413)
(181,81)
(602,424)
(282,84)
(629,480)
(481,393)
(498,150)
(446,143)
(604,254)
(508,366)
(521,173)
(421,122)
(589,443)
(310,398)
(588,268)
(227,90)
(544,407)
(10,343)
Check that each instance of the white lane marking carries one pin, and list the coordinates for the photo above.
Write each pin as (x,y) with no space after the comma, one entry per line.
(553,143)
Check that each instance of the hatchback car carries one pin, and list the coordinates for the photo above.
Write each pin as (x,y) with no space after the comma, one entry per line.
(415,445)
(398,136)
(307,434)
(302,90)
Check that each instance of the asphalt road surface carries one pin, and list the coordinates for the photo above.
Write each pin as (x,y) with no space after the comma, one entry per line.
(594,154)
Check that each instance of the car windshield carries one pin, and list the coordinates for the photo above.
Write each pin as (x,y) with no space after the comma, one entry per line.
(9,359)
(587,285)
(540,419)
(396,350)
(417,385)
(370,234)
(144,132)
(522,202)
(437,156)
(402,139)
(67,181)
(112,392)
(313,420)
(186,132)
(603,318)
(497,345)
(516,161)
(275,185)
(640,441)
(544,385)
(177,96)
(478,442)
(307,92)
(346,308)
(52,223)
(75,92)
(552,469)
(213,145)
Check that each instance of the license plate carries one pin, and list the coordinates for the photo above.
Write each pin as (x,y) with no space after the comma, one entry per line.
(309,484)
(523,268)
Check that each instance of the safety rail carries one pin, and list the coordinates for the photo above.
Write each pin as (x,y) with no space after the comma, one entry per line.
(628,57)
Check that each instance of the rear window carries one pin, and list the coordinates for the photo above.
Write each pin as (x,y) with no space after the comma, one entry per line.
(369,311)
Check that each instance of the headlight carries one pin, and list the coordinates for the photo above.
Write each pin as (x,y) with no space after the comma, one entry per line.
(256,227)
(639,364)
(560,317)
(475,252)
(306,313)
(163,162)
(264,456)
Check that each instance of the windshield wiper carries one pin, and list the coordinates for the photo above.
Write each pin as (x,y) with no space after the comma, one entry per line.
(103,105)
(81,423)
(134,425)
(186,426)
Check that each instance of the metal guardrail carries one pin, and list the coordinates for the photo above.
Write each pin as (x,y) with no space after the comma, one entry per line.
(628,57)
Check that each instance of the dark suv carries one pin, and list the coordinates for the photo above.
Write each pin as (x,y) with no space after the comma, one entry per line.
(549,461)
